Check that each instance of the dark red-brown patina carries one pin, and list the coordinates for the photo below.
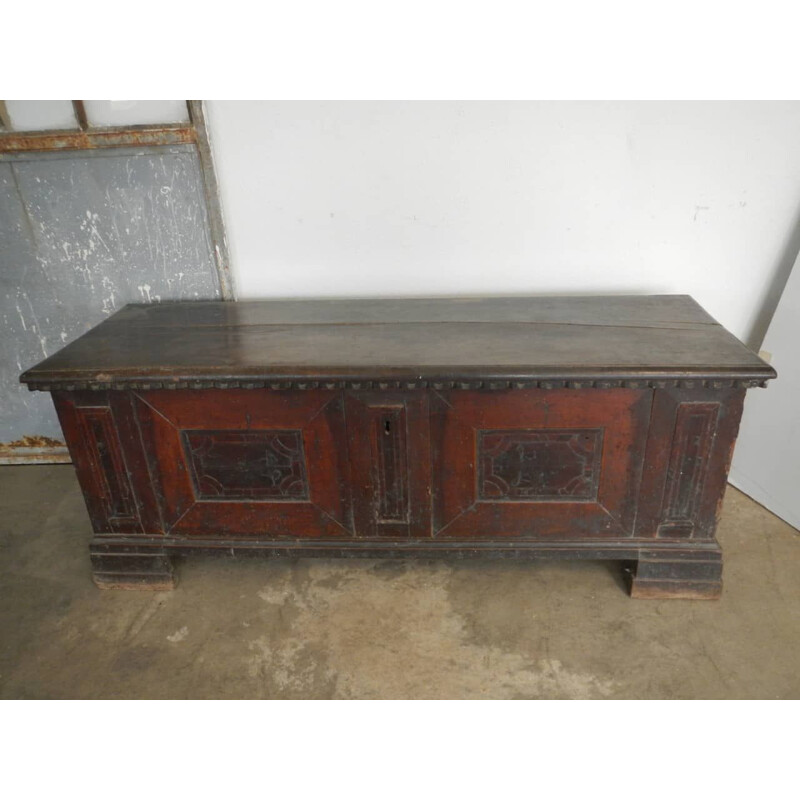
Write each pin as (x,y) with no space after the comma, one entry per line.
(585,427)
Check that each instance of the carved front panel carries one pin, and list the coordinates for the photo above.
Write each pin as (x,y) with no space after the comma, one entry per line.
(247,465)
(533,463)
(539,465)
(230,463)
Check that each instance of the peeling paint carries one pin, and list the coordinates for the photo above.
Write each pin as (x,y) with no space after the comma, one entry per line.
(83,234)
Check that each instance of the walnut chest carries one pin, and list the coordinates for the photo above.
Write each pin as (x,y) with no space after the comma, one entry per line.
(525,427)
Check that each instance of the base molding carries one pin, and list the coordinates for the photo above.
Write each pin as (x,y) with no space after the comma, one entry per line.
(659,569)
(126,566)
(692,575)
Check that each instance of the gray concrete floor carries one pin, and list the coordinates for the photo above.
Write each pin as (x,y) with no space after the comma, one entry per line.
(382,629)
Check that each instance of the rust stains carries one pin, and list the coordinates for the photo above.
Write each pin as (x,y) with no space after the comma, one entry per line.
(34,450)
(35,441)
(135,136)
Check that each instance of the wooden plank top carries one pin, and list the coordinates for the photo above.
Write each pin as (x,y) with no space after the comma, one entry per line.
(514,339)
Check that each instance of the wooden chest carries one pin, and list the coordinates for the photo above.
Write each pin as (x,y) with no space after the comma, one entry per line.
(583,427)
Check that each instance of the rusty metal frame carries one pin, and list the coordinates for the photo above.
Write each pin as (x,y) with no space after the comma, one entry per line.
(216,224)
(87,137)
(30,453)
(80,114)
(95,138)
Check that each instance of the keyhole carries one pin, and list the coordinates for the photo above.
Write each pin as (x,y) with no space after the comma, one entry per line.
(387,426)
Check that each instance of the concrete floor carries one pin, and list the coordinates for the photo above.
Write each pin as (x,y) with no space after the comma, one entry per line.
(383,629)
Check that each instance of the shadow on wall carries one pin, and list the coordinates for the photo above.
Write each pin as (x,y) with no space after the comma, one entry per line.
(782,271)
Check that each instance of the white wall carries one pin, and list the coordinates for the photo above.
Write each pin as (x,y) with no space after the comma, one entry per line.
(766,464)
(426,198)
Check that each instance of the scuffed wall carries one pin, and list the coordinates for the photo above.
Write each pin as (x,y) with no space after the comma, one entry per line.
(81,234)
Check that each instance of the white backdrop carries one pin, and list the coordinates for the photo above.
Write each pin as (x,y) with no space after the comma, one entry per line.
(766,462)
(427,198)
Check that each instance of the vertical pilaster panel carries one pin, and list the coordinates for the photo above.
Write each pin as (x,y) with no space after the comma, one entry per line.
(689,448)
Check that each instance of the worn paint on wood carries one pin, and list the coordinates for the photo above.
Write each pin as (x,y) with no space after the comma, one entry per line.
(343,461)
(81,236)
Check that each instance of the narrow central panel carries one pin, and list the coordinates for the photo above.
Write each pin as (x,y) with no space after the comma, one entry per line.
(389,442)
(388,437)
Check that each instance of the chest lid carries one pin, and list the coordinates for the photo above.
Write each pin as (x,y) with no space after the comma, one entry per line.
(501,342)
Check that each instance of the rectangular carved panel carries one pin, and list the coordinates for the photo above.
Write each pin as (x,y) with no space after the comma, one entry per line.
(695,428)
(230,463)
(534,463)
(111,477)
(539,465)
(247,465)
